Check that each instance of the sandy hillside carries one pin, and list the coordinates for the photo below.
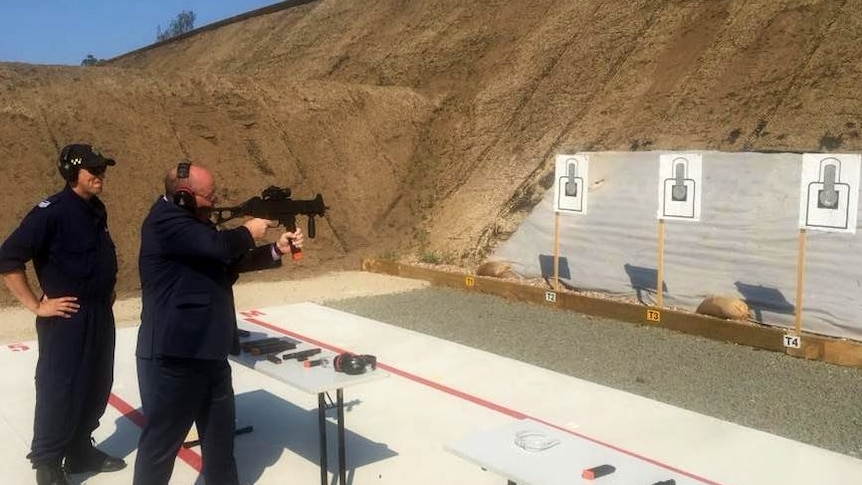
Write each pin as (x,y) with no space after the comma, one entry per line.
(430,127)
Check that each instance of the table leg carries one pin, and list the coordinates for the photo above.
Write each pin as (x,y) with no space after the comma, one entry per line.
(321,425)
(342,465)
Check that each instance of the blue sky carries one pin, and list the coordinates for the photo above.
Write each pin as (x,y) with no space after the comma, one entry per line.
(65,31)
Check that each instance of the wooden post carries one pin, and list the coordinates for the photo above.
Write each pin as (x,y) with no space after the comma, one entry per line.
(556,251)
(800,277)
(660,265)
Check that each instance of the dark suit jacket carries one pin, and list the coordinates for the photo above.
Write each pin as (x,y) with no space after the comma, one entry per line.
(187,270)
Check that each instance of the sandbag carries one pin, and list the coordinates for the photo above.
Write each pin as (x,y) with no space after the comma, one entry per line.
(724,307)
(496,269)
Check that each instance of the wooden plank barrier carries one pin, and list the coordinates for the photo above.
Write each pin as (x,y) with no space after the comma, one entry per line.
(837,351)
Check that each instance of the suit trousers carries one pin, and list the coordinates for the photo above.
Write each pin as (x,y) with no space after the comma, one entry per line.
(177,392)
(74,375)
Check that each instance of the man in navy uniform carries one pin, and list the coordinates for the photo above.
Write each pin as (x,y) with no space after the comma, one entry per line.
(188,324)
(66,236)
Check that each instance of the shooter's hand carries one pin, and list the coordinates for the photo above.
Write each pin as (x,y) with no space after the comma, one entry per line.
(291,242)
(257,227)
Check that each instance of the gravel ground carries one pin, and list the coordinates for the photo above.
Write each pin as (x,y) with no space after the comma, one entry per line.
(807,401)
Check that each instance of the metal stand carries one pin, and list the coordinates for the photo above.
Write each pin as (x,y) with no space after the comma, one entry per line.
(321,425)
(342,464)
(321,429)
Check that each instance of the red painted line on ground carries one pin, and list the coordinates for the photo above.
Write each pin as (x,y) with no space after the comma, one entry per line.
(393,370)
(469,397)
(127,411)
(191,458)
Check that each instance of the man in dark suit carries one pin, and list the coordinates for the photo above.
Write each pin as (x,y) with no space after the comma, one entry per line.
(188,324)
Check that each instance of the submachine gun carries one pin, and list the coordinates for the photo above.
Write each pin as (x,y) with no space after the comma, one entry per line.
(275,204)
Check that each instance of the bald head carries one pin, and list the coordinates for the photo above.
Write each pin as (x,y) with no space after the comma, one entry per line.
(201,184)
(200,181)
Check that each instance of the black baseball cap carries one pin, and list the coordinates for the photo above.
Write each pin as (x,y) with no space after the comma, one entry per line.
(79,155)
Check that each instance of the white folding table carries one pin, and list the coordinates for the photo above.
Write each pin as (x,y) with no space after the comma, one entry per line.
(313,380)
(563,462)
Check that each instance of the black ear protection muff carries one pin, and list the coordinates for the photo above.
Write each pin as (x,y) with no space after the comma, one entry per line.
(64,165)
(183,194)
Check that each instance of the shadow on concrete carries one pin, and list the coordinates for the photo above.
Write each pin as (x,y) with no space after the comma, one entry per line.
(281,426)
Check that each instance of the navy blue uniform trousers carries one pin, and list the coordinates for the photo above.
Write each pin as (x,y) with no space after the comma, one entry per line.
(174,391)
(74,375)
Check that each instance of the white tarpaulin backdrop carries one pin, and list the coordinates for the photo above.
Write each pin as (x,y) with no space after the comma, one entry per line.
(745,244)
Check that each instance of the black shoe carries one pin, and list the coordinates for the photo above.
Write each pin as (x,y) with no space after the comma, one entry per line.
(50,474)
(93,460)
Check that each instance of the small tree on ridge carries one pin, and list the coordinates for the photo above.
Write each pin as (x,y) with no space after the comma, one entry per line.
(184,22)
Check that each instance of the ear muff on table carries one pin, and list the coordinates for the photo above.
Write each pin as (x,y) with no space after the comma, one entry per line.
(354,364)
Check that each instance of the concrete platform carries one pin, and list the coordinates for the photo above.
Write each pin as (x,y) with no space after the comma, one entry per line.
(437,393)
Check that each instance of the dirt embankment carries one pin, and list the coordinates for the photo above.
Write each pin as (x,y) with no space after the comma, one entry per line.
(430,127)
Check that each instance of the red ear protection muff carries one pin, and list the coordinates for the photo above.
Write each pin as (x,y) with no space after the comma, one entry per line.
(183,194)
(354,364)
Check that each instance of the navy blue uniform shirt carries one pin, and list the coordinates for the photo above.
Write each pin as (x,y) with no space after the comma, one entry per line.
(68,241)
